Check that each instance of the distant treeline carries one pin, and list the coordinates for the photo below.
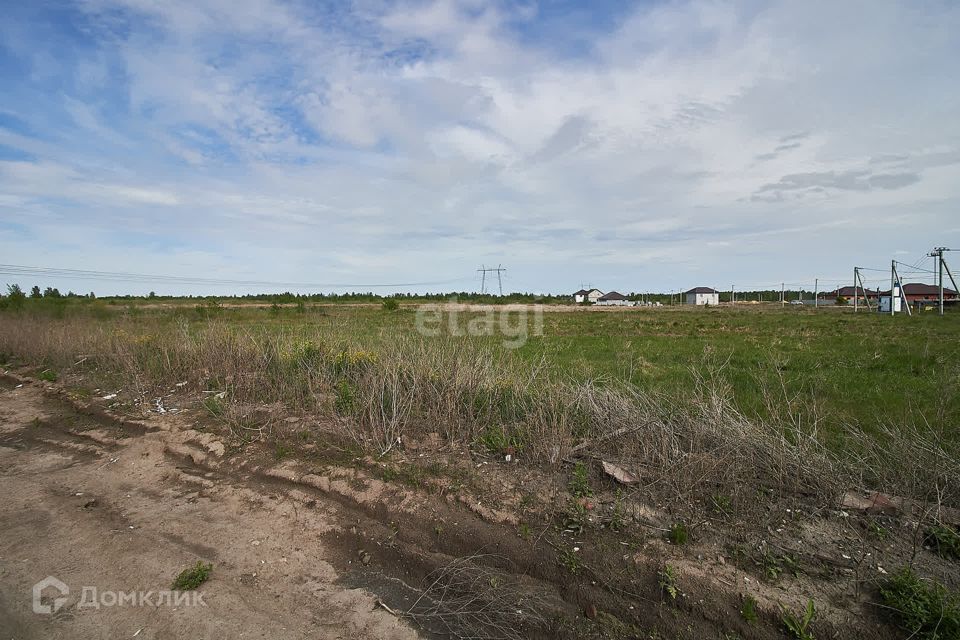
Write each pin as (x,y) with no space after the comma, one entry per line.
(16,296)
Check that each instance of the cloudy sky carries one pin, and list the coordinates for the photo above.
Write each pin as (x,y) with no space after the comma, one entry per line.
(631,146)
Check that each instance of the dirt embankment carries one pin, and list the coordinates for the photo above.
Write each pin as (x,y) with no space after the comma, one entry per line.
(325,545)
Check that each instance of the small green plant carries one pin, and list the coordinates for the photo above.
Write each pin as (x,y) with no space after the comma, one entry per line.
(498,440)
(193,577)
(580,483)
(570,560)
(799,626)
(678,534)
(944,540)
(667,581)
(345,401)
(215,406)
(722,505)
(876,530)
(924,608)
(617,516)
(576,518)
(524,531)
(281,451)
(48,375)
(748,610)
(390,304)
(774,565)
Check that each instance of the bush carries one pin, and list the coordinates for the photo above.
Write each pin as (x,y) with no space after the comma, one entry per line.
(15,297)
(945,541)
(193,577)
(390,304)
(678,534)
(926,609)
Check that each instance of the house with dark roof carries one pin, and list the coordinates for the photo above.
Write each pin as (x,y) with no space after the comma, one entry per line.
(614,299)
(849,291)
(920,293)
(703,296)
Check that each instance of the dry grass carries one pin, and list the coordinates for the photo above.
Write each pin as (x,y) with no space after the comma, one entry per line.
(462,389)
(469,599)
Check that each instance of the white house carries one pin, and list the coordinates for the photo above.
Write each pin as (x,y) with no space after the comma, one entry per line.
(587,295)
(614,299)
(703,296)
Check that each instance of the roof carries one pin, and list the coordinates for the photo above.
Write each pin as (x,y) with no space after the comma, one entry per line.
(702,290)
(848,292)
(613,295)
(582,292)
(922,289)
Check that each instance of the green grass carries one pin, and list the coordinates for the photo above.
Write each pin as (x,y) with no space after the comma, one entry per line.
(193,577)
(862,370)
(924,608)
(944,540)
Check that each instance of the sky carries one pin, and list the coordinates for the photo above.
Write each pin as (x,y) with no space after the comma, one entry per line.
(649,146)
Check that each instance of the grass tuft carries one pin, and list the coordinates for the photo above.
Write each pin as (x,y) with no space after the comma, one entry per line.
(193,577)
(924,608)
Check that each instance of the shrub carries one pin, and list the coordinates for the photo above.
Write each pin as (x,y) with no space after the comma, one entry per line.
(748,611)
(799,626)
(15,297)
(678,534)
(667,581)
(193,577)
(580,483)
(944,540)
(926,609)
(390,304)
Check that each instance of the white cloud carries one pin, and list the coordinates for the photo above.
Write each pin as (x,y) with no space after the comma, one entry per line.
(694,138)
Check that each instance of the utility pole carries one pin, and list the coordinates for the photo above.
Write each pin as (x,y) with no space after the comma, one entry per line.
(938,254)
(816,293)
(940,277)
(856,297)
(945,267)
(733,296)
(783,291)
(893,271)
(866,298)
(895,277)
(484,270)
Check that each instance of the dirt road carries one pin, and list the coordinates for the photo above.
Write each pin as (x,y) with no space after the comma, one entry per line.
(117,511)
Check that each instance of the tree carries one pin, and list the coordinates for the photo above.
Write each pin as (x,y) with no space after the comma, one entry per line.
(51,292)
(15,296)
(35,292)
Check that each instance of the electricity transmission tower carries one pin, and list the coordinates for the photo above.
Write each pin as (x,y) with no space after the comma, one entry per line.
(483,283)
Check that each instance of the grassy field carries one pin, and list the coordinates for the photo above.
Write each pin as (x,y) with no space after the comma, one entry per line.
(829,366)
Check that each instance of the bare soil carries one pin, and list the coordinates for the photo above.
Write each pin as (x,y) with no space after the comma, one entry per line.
(317,543)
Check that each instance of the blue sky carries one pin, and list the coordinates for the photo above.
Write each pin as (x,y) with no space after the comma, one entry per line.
(631,146)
